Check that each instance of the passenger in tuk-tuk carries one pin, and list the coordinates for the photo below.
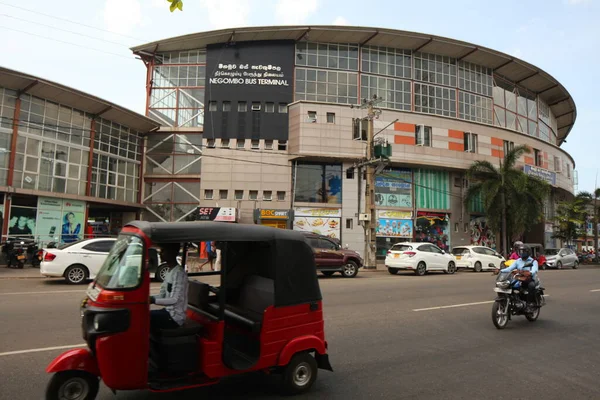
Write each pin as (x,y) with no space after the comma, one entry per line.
(173,292)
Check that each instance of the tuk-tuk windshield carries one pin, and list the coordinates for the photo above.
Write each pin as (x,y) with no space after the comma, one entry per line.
(122,268)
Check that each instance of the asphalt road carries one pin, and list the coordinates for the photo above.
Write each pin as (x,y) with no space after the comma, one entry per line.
(390,337)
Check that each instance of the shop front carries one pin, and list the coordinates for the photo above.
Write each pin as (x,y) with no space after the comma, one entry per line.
(281,219)
(481,233)
(392,227)
(433,227)
(322,221)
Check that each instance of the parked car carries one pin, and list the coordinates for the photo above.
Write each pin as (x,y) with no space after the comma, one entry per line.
(559,258)
(331,257)
(420,258)
(477,258)
(76,262)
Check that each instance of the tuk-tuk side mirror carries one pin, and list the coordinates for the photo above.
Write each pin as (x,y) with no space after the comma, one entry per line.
(346,246)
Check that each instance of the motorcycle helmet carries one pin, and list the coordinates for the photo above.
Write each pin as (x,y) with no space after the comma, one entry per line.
(524,252)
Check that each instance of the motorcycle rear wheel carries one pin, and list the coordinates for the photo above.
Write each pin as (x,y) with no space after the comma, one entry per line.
(500,314)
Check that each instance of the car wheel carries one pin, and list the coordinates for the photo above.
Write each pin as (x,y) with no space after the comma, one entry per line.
(393,271)
(478,266)
(421,269)
(327,273)
(161,272)
(451,268)
(300,374)
(559,265)
(575,265)
(350,269)
(76,274)
(76,385)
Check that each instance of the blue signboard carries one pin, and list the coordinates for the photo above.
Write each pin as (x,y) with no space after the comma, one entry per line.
(540,173)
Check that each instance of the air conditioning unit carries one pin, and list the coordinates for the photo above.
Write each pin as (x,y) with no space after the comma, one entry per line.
(364,217)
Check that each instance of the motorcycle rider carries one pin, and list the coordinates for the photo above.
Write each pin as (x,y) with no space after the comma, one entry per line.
(527,266)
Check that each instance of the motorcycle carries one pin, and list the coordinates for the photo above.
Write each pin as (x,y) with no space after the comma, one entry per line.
(15,252)
(512,299)
(35,254)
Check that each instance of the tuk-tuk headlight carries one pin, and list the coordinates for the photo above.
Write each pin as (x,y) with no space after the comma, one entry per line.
(96,323)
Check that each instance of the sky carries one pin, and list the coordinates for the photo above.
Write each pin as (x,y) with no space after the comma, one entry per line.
(85,44)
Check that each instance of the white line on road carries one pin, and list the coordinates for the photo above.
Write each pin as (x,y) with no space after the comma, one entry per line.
(595,290)
(459,305)
(45,292)
(11,353)
(454,306)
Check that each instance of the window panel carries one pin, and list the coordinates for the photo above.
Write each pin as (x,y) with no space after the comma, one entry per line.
(328,86)
(430,99)
(474,78)
(435,68)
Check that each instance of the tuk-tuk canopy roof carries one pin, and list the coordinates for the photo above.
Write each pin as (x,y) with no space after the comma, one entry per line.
(201,231)
(281,255)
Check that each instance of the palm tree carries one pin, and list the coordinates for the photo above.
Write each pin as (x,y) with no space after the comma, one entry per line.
(512,200)
(592,200)
(571,216)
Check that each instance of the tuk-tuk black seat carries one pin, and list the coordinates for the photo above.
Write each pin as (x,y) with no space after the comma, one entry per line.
(256,294)
(189,328)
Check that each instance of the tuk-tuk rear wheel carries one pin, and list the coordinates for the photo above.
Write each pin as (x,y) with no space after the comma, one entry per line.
(300,374)
(72,385)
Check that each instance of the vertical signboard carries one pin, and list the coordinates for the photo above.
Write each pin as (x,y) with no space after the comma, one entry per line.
(393,188)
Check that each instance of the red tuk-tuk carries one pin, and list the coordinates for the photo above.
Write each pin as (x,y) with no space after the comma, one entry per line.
(266,315)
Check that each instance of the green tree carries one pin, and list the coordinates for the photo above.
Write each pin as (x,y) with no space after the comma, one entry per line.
(592,201)
(512,200)
(571,218)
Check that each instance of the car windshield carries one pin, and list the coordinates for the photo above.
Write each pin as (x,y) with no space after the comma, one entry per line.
(551,252)
(401,247)
(459,251)
(122,268)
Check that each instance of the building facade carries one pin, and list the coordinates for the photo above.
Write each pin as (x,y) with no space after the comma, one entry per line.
(70,163)
(263,122)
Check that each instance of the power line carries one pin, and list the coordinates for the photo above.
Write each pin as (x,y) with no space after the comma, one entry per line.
(70,43)
(63,30)
(73,22)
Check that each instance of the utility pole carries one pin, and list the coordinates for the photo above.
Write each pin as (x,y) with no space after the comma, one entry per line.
(370,260)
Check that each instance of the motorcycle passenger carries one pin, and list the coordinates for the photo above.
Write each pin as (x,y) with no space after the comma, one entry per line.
(515,253)
(173,292)
(522,264)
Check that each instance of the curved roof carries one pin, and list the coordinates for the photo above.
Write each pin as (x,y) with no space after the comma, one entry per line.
(62,94)
(513,69)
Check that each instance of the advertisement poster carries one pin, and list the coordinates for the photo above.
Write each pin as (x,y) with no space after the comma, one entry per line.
(393,188)
(318,183)
(322,221)
(433,228)
(60,220)
(22,222)
(397,224)
(481,234)
(220,214)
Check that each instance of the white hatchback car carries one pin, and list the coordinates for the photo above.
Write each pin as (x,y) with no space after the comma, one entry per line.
(76,262)
(420,258)
(477,258)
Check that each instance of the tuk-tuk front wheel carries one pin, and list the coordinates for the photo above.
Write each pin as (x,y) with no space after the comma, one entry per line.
(300,374)
(72,385)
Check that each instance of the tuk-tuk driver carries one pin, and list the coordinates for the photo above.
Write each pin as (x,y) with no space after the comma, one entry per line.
(173,292)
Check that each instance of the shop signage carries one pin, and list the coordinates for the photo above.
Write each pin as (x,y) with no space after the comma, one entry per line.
(222,214)
(540,173)
(394,214)
(274,214)
(318,212)
(394,228)
(393,188)
(249,74)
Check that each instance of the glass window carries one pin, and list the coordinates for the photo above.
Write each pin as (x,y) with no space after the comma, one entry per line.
(226,106)
(470,142)
(238,195)
(212,106)
(123,265)
(436,69)
(267,195)
(435,100)
(282,145)
(318,183)
(326,86)
(331,118)
(280,196)
(475,78)
(396,93)
(225,143)
(242,106)
(386,61)
(283,108)
(208,194)
(223,194)
(270,107)
(268,144)
(241,143)
(335,56)
(423,135)
(253,195)
(255,144)
(473,107)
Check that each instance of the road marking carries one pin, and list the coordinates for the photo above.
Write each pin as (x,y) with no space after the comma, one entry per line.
(454,306)
(595,290)
(45,292)
(11,353)
(460,305)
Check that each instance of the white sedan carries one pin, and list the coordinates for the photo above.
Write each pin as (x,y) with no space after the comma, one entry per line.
(76,262)
(420,258)
(477,258)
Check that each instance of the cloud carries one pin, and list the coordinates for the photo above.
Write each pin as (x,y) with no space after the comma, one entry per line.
(294,12)
(578,2)
(226,14)
(122,16)
(340,21)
